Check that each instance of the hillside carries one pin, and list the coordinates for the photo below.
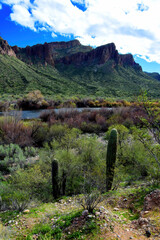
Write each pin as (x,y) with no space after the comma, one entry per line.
(69,68)
(154,75)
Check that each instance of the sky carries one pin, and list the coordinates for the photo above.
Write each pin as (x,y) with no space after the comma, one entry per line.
(133,26)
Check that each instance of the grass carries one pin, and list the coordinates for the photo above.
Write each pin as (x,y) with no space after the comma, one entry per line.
(17,77)
(58,220)
(62,228)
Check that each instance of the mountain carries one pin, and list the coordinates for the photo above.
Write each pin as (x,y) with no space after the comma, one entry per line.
(5,48)
(47,53)
(154,75)
(69,68)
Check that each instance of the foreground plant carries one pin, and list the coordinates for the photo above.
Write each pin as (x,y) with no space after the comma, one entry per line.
(89,201)
(111,158)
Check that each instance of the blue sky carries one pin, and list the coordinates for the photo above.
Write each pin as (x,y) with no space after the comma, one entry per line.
(132,25)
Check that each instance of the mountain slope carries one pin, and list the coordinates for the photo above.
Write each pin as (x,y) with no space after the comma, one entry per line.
(154,75)
(72,69)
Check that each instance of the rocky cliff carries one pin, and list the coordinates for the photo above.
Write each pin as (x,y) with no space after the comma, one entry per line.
(47,53)
(5,48)
(99,56)
(73,52)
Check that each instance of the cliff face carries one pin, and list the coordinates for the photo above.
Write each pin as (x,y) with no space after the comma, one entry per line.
(5,48)
(71,52)
(100,55)
(46,53)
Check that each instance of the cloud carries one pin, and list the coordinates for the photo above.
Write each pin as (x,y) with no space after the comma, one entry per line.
(0,6)
(132,25)
(53,35)
(22,16)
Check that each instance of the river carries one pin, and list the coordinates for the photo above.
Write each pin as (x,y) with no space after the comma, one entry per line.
(32,114)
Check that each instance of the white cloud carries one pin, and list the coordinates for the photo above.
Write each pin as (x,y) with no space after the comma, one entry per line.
(0,6)
(22,16)
(53,35)
(132,25)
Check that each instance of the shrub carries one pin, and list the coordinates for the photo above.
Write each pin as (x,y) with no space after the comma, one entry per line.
(12,157)
(36,179)
(13,199)
(13,131)
(90,201)
(5,232)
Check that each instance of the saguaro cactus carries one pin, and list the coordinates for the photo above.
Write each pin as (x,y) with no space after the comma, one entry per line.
(55,187)
(111,158)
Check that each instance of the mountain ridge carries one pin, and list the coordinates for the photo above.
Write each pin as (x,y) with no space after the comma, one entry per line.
(69,68)
(48,54)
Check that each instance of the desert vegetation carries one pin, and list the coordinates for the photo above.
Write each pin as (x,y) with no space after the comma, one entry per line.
(78,160)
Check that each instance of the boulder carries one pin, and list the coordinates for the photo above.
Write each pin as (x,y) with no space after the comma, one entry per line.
(152,201)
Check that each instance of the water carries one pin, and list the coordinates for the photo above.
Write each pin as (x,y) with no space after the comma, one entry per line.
(32,114)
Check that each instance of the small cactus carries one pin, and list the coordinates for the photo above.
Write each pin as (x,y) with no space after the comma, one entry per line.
(111,158)
(55,186)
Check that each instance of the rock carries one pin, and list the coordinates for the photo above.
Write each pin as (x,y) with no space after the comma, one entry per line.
(148,233)
(11,221)
(49,53)
(45,53)
(85,213)
(5,48)
(26,211)
(102,209)
(142,221)
(152,200)
(101,54)
(106,212)
(116,209)
(97,213)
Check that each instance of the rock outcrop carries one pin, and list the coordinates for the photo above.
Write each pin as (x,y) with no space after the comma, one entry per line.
(45,53)
(152,201)
(99,56)
(73,52)
(5,48)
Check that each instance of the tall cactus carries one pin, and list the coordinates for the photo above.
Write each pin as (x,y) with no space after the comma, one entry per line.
(55,187)
(111,158)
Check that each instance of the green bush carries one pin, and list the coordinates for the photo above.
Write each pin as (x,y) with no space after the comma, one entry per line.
(36,179)
(12,157)
(13,199)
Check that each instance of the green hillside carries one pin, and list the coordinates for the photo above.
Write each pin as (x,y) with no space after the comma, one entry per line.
(16,77)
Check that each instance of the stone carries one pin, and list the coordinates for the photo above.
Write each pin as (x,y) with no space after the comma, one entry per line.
(102,209)
(26,211)
(143,221)
(148,233)
(97,213)
(116,209)
(85,213)
(152,201)
(11,221)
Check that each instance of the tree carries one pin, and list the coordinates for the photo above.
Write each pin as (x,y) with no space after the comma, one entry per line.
(149,133)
